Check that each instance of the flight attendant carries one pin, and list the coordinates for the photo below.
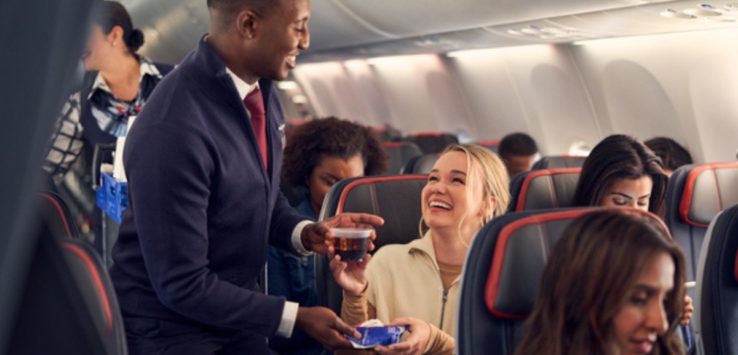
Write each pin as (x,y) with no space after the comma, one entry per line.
(203,164)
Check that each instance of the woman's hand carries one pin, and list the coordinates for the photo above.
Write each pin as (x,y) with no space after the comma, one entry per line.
(350,275)
(415,343)
(688,310)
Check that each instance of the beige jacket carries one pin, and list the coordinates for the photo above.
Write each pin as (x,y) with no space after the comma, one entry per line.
(404,281)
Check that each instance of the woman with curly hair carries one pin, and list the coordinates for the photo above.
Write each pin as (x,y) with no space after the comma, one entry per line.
(318,154)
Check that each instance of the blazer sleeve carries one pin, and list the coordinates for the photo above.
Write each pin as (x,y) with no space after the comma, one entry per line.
(169,177)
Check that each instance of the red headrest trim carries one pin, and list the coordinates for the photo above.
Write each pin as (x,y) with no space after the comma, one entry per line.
(688,191)
(372,180)
(392,144)
(60,212)
(97,281)
(520,205)
(490,143)
(429,134)
(495,272)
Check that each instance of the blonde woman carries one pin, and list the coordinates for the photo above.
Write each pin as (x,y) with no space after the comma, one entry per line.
(467,187)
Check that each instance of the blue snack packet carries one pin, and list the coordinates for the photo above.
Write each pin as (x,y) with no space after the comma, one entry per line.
(373,336)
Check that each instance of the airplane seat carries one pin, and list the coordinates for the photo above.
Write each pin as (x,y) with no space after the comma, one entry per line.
(543,189)
(398,154)
(56,214)
(432,142)
(492,145)
(97,291)
(695,194)
(394,198)
(716,307)
(421,164)
(559,161)
(501,277)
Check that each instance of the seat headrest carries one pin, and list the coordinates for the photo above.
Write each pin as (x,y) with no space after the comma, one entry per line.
(543,189)
(88,272)
(559,161)
(708,189)
(433,142)
(421,164)
(519,257)
(56,214)
(394,198)
(398,154)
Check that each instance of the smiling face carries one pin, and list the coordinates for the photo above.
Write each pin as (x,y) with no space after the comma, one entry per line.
(634,193)
(329,171)
(643,318)
(448,201)
(282,35)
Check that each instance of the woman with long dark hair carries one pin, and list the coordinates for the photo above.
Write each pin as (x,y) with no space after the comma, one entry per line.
(614,285)
(622,172)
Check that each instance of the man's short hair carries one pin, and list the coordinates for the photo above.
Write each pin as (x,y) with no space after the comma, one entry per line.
(227,9)
(517,144)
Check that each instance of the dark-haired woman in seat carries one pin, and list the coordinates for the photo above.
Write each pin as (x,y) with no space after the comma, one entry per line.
(319,153)
(623,172)
(613,285)
(116,86)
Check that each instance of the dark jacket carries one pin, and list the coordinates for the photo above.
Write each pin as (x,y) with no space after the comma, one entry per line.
(202,206)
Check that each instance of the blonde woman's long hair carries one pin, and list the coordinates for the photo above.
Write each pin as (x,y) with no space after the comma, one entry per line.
(482,163)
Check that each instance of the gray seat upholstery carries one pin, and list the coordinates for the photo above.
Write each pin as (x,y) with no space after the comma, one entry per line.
(432,142)
(501,277)
(394,198)
(543,189)
(421,164)
(559,161)
(694,196)
(398,154)
(716,316)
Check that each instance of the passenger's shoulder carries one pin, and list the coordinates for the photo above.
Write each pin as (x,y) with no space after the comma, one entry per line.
(390,252)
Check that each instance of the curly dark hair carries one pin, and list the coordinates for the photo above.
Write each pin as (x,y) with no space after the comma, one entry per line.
(330,136)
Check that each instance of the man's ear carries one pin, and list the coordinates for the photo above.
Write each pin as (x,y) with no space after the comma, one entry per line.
(247,24)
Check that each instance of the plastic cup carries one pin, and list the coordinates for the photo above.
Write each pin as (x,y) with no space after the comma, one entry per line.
(351,243)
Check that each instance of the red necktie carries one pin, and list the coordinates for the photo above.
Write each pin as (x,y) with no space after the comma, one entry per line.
(255,104)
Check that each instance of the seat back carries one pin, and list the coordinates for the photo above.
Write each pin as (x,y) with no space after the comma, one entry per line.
(716,315)
(492,145)
(543,189)
(502,274)
(432,142)
(559,161)
(421,164)
(398,154)
(694,196)
(97,291)
(394,198)
(55,213)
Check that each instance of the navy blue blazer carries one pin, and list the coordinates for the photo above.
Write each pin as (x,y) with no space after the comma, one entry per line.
(202,207)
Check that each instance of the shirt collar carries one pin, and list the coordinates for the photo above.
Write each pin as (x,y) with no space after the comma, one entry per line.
(146,68)
(242,87)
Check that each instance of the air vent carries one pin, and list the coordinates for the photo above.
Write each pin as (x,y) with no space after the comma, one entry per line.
(704,11)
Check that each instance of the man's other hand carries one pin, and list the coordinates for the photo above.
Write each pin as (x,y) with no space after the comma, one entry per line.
(326,327)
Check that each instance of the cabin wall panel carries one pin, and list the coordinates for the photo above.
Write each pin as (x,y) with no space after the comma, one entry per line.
(680,85)
(535,89)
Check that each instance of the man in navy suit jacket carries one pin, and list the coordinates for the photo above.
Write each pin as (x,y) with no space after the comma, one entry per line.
(205,202)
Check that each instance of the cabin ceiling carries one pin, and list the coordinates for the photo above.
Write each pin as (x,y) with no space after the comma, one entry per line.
(343,29)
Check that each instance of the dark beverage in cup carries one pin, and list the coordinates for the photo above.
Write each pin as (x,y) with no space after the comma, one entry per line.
(351,243)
